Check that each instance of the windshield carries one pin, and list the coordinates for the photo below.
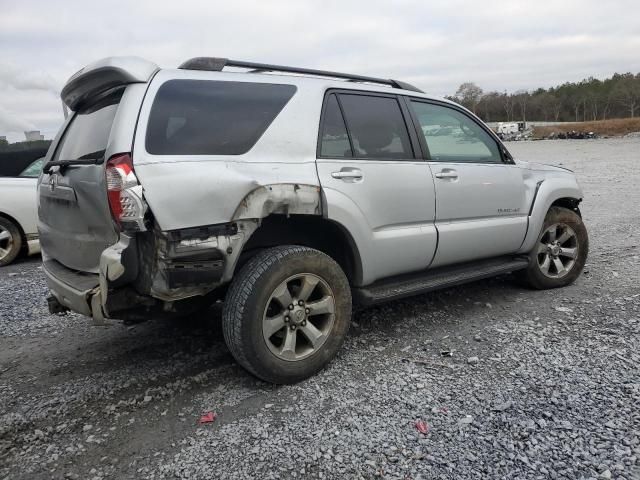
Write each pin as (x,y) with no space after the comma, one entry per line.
(34,170)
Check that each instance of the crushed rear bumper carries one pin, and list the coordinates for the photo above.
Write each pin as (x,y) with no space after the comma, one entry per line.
(72,290)
(150,274)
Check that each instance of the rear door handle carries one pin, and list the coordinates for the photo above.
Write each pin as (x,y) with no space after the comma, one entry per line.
(348,174)
(447,174)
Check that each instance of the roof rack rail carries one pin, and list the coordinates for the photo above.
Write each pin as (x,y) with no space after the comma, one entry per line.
(217,64)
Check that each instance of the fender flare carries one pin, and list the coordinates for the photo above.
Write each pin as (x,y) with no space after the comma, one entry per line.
(549,191)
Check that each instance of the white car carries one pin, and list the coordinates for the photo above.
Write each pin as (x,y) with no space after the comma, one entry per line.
(19,214)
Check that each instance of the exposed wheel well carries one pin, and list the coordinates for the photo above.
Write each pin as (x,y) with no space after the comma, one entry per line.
(569,203)
(19,227)
(310,231)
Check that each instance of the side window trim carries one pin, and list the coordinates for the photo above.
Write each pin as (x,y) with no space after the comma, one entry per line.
(346,125)
(422,142)
(504,156)
(406,116)
(323,115)
(410,122)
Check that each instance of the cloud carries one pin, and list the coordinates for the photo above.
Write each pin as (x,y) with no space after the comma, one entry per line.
(26,86)
(436,45)
(10,122)
(12,76)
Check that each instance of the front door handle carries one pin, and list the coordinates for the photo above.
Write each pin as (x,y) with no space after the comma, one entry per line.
(447,174)
(348,174)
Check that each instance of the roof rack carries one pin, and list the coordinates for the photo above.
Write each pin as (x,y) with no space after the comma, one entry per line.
(217,64)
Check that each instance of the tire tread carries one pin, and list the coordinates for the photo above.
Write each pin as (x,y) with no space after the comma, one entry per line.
(240,290)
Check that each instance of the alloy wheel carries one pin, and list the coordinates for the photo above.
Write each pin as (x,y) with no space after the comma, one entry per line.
(557,250)
(298,317)
(6,242)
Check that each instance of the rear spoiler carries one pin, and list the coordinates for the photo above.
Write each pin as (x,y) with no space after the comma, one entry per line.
(104,75)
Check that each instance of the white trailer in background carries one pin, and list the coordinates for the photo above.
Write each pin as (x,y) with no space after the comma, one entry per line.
(507,128)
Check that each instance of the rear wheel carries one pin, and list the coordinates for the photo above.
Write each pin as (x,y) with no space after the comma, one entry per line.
(287,313)
(10,241)
(560,252)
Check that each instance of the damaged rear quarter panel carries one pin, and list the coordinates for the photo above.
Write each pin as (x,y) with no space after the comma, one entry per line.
(189,194)
(184,195)
(192,190)
(277,175)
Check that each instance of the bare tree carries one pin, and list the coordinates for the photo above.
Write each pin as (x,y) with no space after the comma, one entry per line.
(627,93)
(490,106)
(469,95)
(576,102)
(507,103)
(546,102)
(605,107)
(594,101)
(556,107)
(522,99)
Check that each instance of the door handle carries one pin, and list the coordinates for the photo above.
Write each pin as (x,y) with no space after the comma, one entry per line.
(348,174)
(447,174)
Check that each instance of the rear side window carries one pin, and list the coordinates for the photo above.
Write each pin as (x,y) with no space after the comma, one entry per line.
(88,133)
(204,117)
(376,127)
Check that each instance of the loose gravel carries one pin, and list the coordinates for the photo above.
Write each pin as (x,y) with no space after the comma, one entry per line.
(512,383)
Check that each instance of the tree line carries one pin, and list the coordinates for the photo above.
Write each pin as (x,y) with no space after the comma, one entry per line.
(587,100)
(24,145)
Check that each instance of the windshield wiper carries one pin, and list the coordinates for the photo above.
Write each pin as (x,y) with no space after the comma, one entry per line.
(93,158)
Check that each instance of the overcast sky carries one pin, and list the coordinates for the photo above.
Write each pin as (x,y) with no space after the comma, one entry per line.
(435,45)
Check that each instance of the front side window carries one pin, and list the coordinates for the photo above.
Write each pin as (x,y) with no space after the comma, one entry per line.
(205,117)
(376,127)
(451,136)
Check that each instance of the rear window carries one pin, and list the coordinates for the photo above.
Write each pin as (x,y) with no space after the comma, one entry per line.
(87,136)
(204,117)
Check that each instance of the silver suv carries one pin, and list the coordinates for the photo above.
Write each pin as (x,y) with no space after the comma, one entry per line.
(290,194)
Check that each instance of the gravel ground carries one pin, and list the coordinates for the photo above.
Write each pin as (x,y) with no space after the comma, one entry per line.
(512,383)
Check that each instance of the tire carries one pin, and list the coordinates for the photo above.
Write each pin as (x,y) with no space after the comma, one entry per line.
(255,306)
(571,252)
(10,241)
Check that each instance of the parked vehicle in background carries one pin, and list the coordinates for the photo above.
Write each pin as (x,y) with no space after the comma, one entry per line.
(18,213)
(15,157)
(291,194)
(506,128)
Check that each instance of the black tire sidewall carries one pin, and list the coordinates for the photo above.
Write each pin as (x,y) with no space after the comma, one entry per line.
(262,362)
(533,275)
(17,241)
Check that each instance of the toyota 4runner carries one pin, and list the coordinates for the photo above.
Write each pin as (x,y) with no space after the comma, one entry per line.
(289,194)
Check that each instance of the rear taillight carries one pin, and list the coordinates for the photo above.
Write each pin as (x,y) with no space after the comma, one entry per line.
(125,194)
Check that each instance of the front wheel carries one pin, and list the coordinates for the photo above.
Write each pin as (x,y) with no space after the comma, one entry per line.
(560,252)
(287,312)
